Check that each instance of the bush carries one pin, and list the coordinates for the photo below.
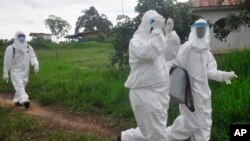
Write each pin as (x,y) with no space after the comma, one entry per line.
(122,35)
(98,38)
(3,46)
(41,43)
(90,44)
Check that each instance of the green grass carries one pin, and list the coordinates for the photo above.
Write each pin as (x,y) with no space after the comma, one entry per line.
(80,81)
(17,127)
(231,103)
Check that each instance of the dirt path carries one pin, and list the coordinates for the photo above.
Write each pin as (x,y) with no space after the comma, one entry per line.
(58,117)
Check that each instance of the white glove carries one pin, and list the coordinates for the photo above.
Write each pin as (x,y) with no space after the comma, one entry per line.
(6,77)
(169,25)
(158,22)
(228,76)
(36,68)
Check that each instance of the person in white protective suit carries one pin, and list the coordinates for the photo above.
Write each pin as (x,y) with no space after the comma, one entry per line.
(172,41)
(148,81)
(17,60)
(196,58)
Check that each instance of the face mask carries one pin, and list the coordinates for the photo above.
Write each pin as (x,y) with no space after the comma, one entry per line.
(200,31)
(21,39)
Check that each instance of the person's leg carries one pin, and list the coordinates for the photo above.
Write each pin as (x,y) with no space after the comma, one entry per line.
(202,135)
(18,84)
(205,131)
(133,134)
(150,115)
(23,96)
(179,131)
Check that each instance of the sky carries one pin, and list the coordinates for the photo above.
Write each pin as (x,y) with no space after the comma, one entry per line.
(29,15)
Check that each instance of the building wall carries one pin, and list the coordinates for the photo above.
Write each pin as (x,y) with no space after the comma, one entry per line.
(236,39)
(46,37)
(201,3)
(42,36)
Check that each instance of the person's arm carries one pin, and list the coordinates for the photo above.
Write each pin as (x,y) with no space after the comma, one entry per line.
(33,59)
(151,49)
(172,46)
(8,56)
(217,75)
(32,55)
(176,43)
(213,72)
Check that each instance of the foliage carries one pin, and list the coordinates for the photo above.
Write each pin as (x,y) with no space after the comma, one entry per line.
(91,19)
(57,26)
(41,43)
(123,31)
(181,14)
(2,48)
(4,43)
(233,21)
(102,37)
(86,45)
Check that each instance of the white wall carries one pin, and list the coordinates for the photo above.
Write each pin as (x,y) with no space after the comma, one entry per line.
(47,37)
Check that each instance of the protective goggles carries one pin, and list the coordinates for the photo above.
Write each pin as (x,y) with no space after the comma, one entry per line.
(151,21)
(21,35)
(199,25)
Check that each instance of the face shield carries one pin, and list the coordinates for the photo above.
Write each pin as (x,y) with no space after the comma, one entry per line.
(199,36)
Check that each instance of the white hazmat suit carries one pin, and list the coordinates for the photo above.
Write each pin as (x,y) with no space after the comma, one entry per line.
(17,60)
(148,81)
(196,58)
(172,41)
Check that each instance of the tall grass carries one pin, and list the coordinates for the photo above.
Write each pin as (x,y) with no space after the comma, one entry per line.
(231,103)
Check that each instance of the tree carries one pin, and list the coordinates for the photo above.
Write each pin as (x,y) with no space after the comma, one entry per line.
(91,20)
(182,15)
(234,21)
(57,26)
(122,32)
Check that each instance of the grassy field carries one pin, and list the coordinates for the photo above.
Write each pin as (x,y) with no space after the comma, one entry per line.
(80,80)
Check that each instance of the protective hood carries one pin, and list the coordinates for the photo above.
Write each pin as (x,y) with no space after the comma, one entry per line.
(146,23)
(199,44)
(18,45)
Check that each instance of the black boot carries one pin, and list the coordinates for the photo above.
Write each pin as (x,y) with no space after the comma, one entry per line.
(18,104)
(119,137)
(26,104)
